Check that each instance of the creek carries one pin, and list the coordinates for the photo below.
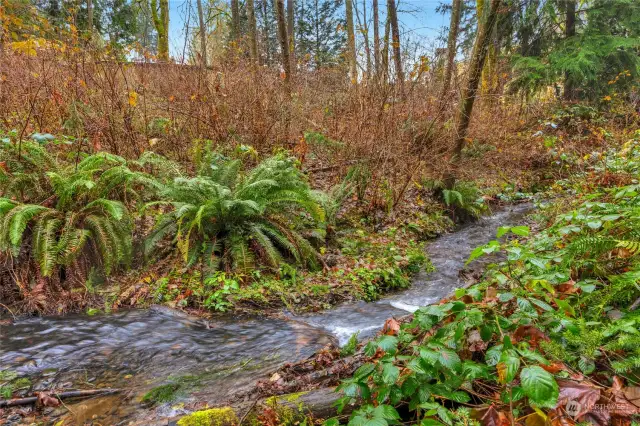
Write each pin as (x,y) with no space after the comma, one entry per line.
(138,350)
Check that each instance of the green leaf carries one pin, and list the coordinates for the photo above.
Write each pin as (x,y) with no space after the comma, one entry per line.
(365,370)
(430,422)
(539,386)
(543,305)
(505,297)
(508,366)
(449,359)
(522,231)
(390,373)
(387,343)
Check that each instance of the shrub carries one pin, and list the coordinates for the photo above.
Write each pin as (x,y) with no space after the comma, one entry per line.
(228,218)
(67,211)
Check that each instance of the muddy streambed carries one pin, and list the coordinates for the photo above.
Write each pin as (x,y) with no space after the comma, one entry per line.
(140,350)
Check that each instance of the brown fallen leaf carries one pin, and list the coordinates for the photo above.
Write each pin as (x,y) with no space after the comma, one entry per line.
(632,393)
(45,399)
(559,418)
(583,393)
(554,367)
(391,327)
(531,334)
(476,344)
(493,417)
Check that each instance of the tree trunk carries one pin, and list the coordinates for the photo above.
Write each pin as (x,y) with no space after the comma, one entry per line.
(395,34)
(351,43)
(291,33)
(283,40)
(253,38)
(470,90)
(161,23)
(385,50)
(451,50)
(235,20)
(376,38)
(90,16)
(265,31)
(365,34)
(569,31)
(203,35)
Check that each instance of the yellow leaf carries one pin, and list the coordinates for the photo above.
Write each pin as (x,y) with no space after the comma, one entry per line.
(133,99)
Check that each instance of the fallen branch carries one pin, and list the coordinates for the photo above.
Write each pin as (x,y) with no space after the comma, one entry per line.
(59,395)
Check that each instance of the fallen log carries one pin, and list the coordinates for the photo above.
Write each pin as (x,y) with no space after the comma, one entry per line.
(318,403)
(60,395)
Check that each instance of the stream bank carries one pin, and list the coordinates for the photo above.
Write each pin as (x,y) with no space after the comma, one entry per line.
(212,362)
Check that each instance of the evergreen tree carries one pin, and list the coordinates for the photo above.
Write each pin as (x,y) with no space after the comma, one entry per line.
(601,48)
(318,35)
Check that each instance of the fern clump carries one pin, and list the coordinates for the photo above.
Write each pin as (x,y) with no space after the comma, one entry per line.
(60,213)
(234,219)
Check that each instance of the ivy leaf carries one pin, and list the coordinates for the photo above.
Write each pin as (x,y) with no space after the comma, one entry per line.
(539,386)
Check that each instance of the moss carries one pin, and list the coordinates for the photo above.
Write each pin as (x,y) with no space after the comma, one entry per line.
(290,397)
(22,383)
(164,393)
(211,417)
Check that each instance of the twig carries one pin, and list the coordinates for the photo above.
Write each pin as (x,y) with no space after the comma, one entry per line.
(60,396)
(253,404)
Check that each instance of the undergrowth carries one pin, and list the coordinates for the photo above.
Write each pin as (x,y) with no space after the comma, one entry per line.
(555,322)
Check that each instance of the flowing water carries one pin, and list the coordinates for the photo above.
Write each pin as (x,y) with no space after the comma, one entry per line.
(138,350)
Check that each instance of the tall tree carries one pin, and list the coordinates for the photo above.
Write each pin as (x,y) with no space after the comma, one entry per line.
(316,31)
(253,37)
(284,41)
(160,14)
(395,43)
(451,49)
(385,49)
(364,29)
(235,20)
(203,35)
(470,90)
(376,38)
(90,16)
(351,43)
(291,32)
(569,31)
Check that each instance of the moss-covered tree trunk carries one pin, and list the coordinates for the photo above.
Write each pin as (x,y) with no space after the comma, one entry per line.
(235,20)
(470,90)
(160,16)
(253,37)
(569,31)
(283,39)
